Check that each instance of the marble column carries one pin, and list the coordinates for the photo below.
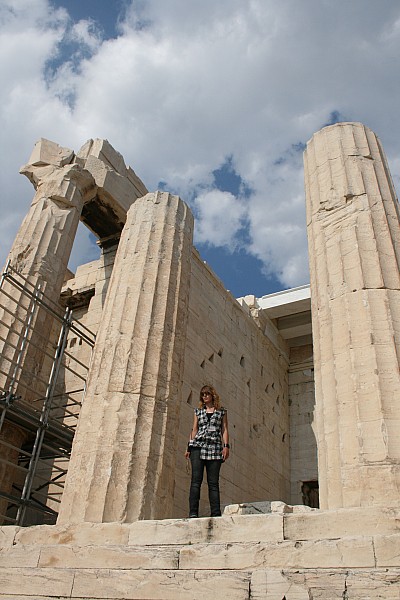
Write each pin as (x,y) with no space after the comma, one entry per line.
(41,250)
(123,457)
(354,247)
(40,253)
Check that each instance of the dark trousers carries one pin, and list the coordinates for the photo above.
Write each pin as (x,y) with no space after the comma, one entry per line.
(212,467)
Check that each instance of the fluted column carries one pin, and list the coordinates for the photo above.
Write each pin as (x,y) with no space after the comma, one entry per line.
(354,247)
(40,253)
(123,457)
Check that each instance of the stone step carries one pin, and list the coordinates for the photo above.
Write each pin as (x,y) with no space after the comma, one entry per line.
(363,551)
(313,525)
(251,557)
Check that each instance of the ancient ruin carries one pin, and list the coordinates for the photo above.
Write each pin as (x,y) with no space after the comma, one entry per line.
(100,371)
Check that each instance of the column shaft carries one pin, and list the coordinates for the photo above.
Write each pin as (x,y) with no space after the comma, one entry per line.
(40,253)
(354,246)
(123,457)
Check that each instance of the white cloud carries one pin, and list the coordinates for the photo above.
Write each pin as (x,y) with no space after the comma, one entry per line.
(86,33)
(187,84)
(220,216)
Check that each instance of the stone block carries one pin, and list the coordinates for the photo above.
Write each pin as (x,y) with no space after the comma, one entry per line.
(387,550)
(79,535)
(256,508)
(21,556)
(248,508)
(112,186)
(323,554)
(273,585)
(36,582)
(108,557)
(35,597)
(340,523)
(237,528)
(357,584)
(7,535)
(160,585)
(46,152)
(103,150)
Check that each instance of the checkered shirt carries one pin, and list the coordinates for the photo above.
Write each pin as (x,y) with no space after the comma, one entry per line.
(208,437)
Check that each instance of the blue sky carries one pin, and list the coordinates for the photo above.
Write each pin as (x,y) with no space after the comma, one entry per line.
(106,15)
(214,101)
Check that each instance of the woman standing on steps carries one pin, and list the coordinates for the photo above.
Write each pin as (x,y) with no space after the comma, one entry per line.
(208,447)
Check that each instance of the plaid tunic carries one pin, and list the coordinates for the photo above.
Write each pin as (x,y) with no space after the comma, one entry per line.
(209,435)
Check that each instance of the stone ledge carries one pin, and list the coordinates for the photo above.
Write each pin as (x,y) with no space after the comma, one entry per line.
(258,584)
(344,522)
(109,557)
(360,552)
(234,528)
(236,556)
(83,534)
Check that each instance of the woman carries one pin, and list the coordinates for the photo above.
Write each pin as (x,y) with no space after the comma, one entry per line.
(208,447)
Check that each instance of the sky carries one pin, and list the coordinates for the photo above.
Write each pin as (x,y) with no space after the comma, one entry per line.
(211,100)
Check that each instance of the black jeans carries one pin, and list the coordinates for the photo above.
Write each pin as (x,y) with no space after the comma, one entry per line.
(212,467)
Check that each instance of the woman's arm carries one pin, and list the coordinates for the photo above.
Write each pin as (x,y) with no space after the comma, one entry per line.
(225,437)
(195,429)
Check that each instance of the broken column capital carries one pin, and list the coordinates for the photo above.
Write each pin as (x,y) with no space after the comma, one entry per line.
(70,183)
(46,156)
(46,152)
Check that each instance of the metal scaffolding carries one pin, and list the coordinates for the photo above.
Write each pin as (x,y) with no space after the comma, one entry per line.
(41,406)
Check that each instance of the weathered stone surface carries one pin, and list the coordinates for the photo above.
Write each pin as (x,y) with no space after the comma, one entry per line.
(158,585)
(273,585)
(231,529)
(106,557)
(77,535)
(46,152)
(341,523)
(256,508)
(198,558)
(230,348)
(387,550)
(7,535)
(303,444)
(322,554)
(40,253)
(360,585)
(354,245)
(20,556)
(118,188)
(33,597)
(120,468)
(36,582)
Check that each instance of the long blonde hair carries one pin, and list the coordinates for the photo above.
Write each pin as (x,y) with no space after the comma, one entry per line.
(215,396)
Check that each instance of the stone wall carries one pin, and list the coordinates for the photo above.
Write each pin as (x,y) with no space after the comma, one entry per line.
(303,444)
(226,348)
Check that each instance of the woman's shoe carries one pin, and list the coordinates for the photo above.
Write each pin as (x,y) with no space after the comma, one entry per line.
(193,516)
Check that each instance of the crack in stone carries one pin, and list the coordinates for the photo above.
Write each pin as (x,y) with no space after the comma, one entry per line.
(345,595)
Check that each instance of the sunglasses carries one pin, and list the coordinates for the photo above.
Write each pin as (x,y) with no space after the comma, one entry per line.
(206,394)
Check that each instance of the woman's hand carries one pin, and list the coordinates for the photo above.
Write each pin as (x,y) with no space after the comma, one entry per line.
(187,454)
(225,453)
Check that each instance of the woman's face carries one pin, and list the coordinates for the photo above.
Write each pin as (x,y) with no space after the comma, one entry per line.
(206,396)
